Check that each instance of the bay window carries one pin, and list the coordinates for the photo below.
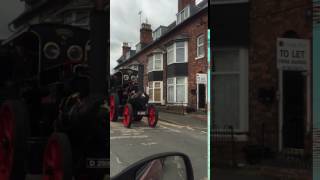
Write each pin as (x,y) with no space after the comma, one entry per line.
(170,54)
(155,91)
(177,90)
(177,53)
(155,62)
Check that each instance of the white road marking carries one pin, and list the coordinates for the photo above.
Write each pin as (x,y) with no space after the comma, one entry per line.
(170,129)
(170,124)
(148,144)
(189,128)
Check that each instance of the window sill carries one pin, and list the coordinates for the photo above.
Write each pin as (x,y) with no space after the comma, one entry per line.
(155,102)
(199,57)
(177,63)
(177,104)
(155,70)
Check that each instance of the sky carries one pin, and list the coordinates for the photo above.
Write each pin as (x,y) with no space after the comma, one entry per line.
(125,21)
(9,10)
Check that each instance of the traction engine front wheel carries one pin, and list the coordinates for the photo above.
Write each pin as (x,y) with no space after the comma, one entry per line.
(152,116)
(57,160)
(127,115)
(13,132)
(113,105)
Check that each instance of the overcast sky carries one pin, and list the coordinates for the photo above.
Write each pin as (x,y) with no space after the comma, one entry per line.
(125,20)
(9,10)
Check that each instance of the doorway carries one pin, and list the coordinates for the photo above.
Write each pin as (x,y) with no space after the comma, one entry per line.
(201,96)
(293,108)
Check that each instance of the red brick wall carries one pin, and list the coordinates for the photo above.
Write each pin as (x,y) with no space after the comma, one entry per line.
(145,34)
(183,3)
(199,65)
(269,20)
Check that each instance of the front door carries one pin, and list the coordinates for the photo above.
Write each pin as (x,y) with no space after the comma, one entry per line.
(294,106)
(201,96)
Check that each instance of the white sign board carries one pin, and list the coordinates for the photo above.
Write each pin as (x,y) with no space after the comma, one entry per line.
(293,54)
(201,78)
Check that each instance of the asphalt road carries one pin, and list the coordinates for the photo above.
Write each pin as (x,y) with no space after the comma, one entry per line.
(131,145)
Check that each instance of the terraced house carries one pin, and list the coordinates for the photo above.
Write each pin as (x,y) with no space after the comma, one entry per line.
(174,57)
(71,12)
(262,82)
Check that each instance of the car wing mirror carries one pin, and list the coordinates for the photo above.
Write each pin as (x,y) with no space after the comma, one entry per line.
(164,166)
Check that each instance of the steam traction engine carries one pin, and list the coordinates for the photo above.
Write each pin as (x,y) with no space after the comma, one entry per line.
(49,122)
(128,100)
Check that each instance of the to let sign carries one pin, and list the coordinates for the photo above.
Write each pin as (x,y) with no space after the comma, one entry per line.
(201,78)
(293,54)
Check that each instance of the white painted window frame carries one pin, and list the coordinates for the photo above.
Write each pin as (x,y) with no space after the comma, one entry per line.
(151,100)
(199,45)
(186,14)
(153,59)
(175,90)
(244,85)
(175,53)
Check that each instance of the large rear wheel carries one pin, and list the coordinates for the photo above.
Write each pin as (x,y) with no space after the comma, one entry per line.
(127,115)
(113,107)
(152,116)
(13,134)
(57,160)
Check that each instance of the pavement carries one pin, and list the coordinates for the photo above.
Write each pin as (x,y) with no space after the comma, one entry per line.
(236,174)
(170,135)
(197,121)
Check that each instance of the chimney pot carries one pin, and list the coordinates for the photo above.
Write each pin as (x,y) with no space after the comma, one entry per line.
(145,34)
(125,48)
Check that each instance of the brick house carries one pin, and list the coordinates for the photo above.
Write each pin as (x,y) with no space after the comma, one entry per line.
(71,12)
(316,89)
(262,93)
(173,57)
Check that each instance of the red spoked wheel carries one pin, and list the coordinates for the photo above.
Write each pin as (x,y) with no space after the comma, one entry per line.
(6,138)
(57,160)
(113,105)
(12,140)
(127,115)
(152,116)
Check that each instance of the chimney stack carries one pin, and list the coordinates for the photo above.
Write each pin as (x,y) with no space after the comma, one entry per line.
(183,3)
(145,34)
(125,48)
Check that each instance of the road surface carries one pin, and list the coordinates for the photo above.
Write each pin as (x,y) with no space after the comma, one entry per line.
(140,141)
